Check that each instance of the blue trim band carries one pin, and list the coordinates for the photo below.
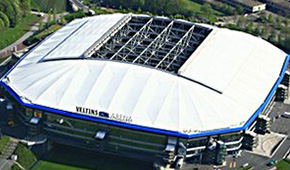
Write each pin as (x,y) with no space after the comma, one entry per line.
(270,95)
(147,129)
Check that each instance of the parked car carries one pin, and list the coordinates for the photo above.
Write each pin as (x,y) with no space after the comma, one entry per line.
(272,162)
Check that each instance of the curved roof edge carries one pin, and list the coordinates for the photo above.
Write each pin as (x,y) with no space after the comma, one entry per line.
(147,129)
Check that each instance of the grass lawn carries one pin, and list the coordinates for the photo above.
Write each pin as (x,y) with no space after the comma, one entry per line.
(283,165)
(10,35)
(195,7)
(46,5)
(25,157)
(45,165)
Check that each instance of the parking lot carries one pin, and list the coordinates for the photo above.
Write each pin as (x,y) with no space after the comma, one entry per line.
(279,125)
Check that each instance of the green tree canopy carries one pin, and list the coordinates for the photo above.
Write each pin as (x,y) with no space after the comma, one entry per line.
(14,10)
(286,43)
(54,16)
(287,22)
(2,25)
(5,19)
(264,32)
(49,17)
(25,6)
(207,10)
(278,21)
(240,9)
(270,18)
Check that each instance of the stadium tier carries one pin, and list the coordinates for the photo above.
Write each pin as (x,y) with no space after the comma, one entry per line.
(147,87)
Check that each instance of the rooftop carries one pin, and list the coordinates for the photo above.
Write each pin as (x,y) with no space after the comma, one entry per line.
(283,3)
(250,3)
(150,72)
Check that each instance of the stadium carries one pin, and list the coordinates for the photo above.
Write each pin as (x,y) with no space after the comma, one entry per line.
(151,88)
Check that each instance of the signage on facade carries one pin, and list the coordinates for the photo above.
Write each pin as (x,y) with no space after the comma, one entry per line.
(113,116)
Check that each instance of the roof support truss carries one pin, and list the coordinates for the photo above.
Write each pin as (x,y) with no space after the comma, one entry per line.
(134,41)
(107,36)
(176,50)
(155,44)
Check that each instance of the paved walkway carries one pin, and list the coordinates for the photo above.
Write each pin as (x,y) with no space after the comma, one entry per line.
(9,149)
(5,164)
(33,29)
(267,143)
(282,150)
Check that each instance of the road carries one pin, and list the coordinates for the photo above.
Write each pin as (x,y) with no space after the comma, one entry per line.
(258,162)
(32,30)
(281,125)
(78,4)
(5,164)
(45,16)
(283,149)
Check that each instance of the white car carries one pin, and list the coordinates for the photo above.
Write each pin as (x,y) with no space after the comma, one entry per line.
(246,165)
(286,114)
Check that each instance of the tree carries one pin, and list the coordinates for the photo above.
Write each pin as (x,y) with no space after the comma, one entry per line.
(62,19)
(229,10)
(280,40)
(278,21)
(2,25)
(206,10)
(25,5)
(272,37)
(54,16)
(287,22)
(263,32)
(249,28)
(7,8)
(240,9)
(263,16)
(5,19)
(49,17)
(18,13)
(139,10)
(41,25)
(241,21)
(286,43)
(270,18)
(257,31)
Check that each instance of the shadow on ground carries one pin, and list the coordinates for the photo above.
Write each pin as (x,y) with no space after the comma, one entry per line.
(81,158)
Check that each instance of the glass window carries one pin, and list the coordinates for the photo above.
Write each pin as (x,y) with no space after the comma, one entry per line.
(230,137)
(37,113)
(28,112)
(197,143)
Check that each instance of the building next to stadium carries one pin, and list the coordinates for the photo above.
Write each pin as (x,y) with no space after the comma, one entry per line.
(150,88)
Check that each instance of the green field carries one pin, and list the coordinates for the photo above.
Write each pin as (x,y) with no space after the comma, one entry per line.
(196,7)
(45,165)
(283,165)
(25,157)
(46,5)
(10,35)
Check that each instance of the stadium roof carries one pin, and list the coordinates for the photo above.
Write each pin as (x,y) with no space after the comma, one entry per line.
(150,72)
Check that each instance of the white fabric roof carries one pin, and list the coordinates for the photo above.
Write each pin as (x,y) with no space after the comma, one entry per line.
(242,67)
